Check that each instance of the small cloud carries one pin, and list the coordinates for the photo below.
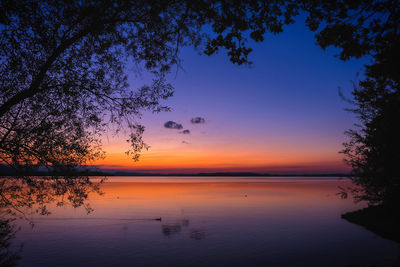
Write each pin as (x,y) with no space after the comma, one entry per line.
(173,125)
(185,132)
(197,120)
(184,142)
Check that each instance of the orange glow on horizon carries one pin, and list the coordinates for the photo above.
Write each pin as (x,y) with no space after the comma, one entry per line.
(187,160)
(213,153)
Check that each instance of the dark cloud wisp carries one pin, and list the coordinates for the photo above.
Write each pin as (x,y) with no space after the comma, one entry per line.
(173,125)
(185,132)
(197,120)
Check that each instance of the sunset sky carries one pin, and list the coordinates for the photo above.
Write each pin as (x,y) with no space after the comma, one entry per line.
(282,115)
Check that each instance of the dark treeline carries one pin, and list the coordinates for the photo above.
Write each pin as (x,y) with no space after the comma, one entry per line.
(9,172)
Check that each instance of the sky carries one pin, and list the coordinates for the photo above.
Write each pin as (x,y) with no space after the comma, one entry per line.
(283,114)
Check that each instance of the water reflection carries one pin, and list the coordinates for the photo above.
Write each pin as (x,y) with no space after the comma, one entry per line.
(167,222)
(22,197)
(8,256)
(197,234)
(171,230)
(182,227)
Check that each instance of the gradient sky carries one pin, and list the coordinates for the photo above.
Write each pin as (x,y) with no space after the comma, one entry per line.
(283,114)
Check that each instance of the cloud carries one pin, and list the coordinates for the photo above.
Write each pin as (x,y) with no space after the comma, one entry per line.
(185,132)
(184,142)
(173,125)
(197,120)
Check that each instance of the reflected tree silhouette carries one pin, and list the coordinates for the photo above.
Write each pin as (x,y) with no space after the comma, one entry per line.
(17,194)
(8,257)
(22,196)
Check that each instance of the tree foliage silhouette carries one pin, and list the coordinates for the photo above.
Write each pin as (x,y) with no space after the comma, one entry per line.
(63,71)
(369,28)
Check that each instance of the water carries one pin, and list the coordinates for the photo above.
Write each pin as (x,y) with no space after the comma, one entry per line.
(213,221)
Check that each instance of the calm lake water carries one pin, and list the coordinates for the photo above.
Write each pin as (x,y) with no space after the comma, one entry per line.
(217,221)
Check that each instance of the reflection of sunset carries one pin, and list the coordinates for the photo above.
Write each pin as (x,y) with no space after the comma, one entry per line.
(153,197)
(162,196)
(150,220)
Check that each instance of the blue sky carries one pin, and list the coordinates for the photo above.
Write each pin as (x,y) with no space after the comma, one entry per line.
(285,106)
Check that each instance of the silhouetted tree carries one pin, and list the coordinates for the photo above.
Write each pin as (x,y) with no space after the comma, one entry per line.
(63,75)
(374,147)
(369,28)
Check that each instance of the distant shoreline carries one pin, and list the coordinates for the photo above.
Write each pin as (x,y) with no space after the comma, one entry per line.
(216,174)
(228,174)
(95,171)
